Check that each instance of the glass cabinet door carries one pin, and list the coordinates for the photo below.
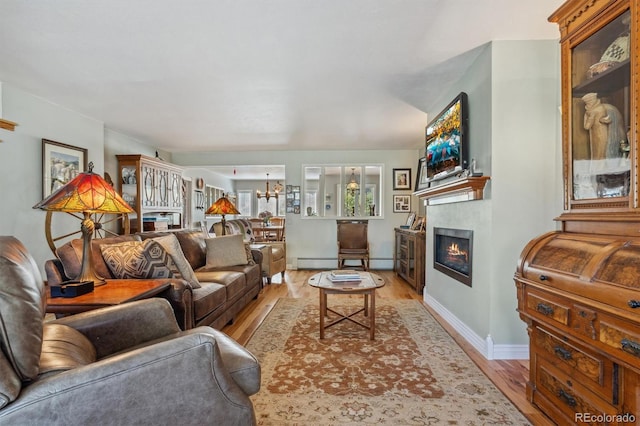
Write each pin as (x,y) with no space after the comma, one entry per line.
(148,186)
(129,184)
(600,118)
(162,178)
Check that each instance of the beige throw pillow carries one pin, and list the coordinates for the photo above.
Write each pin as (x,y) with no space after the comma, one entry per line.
(225,251)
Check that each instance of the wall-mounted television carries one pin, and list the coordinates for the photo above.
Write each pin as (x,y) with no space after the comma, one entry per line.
(447,149)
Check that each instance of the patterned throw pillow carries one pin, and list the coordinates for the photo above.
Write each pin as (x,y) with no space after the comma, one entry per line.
(171,245)
(247,249)
(139,259)
(236,227)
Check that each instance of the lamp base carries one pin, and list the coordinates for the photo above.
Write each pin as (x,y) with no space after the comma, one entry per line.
(87,270)
(91,277)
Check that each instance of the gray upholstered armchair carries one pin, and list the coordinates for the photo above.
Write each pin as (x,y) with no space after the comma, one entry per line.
(128,364)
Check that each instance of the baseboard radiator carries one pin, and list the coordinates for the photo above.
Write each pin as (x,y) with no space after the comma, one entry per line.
(332,263)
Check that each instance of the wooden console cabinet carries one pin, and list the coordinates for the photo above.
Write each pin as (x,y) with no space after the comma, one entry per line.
(152,187)
(579,287)
(409,257)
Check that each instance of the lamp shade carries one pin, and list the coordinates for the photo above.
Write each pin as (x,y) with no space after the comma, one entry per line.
(222,206)
(87,192)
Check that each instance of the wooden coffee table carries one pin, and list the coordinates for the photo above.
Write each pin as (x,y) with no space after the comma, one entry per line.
(114,292)
(367,286)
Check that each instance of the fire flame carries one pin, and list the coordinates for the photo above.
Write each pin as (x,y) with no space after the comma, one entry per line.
(454,250)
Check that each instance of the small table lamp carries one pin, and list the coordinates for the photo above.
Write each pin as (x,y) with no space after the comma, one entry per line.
(222,206)
(87,193)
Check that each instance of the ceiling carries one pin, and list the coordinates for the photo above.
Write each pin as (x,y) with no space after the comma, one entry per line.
(227,75)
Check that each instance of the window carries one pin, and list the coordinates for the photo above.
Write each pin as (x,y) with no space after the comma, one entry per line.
(342,191)
(271,205)
(244,202)
(282,204)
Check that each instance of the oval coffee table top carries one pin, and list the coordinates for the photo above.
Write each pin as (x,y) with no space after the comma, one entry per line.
(345,280)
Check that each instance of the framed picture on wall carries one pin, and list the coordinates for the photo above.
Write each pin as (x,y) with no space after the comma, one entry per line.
(60,164)
(401,179)
(421,179)
(401,203)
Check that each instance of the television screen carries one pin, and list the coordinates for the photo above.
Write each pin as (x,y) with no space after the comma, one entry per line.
(446,141)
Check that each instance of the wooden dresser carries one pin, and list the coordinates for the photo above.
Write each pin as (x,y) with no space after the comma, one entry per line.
(579,295)
(579,287)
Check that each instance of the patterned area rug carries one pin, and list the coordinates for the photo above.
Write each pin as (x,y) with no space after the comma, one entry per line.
(412,374)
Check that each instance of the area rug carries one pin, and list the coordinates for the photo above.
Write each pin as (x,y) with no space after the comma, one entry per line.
(413,373)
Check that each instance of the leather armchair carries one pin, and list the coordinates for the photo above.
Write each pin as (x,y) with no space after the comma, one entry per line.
(127,364)
(275,259)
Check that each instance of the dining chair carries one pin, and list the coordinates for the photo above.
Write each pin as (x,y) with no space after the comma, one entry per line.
(256,226)
(277,234)
(353,242)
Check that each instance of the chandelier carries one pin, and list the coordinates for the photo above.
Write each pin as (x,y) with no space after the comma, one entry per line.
(267,194)
(353,184)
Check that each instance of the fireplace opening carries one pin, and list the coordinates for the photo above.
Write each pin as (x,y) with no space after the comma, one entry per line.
(453,253)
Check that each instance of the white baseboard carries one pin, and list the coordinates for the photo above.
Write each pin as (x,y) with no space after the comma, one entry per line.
(319,263)
(486,347)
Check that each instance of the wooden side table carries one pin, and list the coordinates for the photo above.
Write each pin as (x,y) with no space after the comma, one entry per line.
(367,286)
(114,292)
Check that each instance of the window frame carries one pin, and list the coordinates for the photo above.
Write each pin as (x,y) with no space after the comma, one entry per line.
(341,195)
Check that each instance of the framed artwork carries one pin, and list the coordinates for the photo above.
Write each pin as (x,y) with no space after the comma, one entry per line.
(410,219)
(60,164)
(402,204)
(401,179)
(418,224)
(293,199)
(421,179)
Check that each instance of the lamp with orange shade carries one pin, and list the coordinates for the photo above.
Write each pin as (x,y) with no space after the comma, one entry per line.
(87,193)
(222,206)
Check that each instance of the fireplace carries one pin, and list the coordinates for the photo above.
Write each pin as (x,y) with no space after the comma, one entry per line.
(453,253)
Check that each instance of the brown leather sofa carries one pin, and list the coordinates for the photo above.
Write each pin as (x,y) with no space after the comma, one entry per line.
(127,364)
(222,292)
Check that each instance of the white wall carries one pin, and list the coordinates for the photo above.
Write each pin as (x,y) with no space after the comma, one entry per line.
(21,161)
(526,167)
(513,90)
(210,178)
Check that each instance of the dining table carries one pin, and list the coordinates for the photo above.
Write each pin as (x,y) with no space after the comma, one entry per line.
(268,232)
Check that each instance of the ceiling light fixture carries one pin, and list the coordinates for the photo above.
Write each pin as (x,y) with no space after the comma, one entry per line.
(267,194)
(353,184)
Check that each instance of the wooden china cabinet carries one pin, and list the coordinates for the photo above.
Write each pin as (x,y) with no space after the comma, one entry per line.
(579,287)
(152,187)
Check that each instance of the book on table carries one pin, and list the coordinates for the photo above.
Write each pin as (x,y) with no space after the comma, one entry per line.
(344,275)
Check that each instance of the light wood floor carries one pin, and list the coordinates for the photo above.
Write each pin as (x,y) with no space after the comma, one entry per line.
(509,376)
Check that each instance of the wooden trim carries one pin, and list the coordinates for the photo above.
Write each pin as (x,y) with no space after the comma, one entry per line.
(7,125)
(473,186)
